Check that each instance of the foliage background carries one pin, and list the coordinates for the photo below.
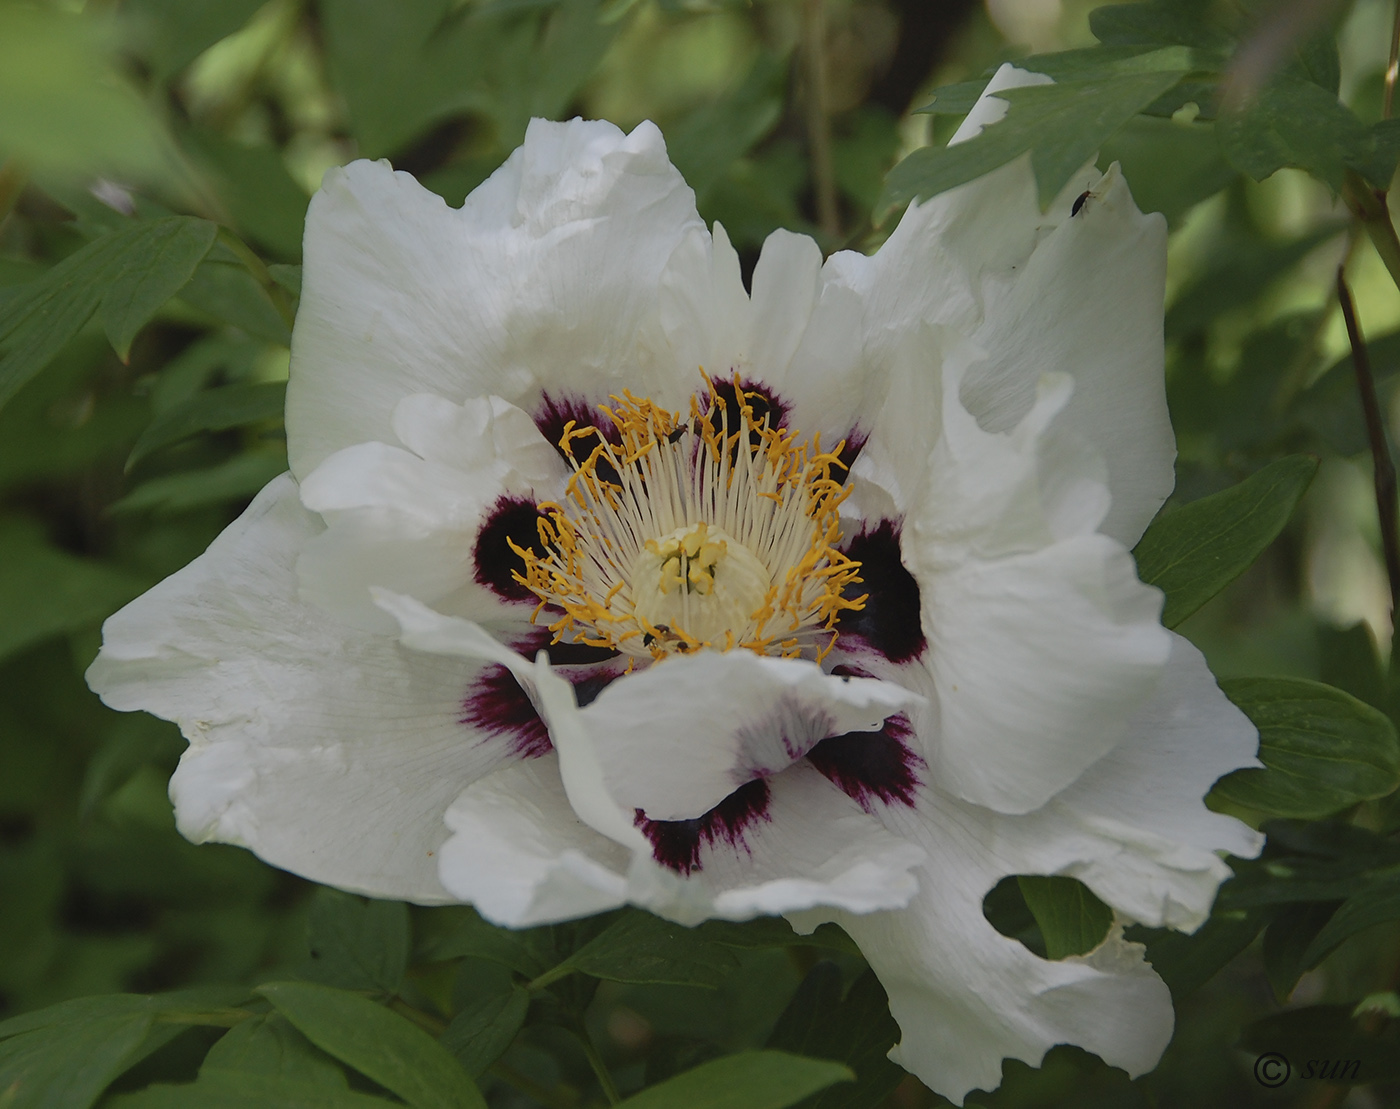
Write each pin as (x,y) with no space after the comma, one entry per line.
(126,445)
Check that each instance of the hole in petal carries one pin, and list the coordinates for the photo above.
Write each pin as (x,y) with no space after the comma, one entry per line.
(511,520)
(871,766)
(889,620)
(676,844)
(1051,916)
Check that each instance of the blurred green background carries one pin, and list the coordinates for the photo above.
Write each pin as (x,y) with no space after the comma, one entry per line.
(780,113)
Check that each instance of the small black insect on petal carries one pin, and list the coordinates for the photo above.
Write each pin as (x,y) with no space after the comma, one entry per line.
(676,844)
(510,520)
(889,621)
(1078,203)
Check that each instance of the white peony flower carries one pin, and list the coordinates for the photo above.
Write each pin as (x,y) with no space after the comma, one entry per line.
(599,580)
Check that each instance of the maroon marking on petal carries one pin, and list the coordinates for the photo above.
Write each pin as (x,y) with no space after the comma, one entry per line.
(497,705)
(676,844)
(889,622)
(871,766)
(537,639)
(854,443)
(510,520)
(761,399)
(554,414)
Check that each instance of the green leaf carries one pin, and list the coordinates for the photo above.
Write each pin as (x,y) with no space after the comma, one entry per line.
(223,287)
(236,479)
(387,1048)
(64,108)
(1072,920)
(1193,551)
(1296,123)
(357,944)
(172,33)
(248,1091)
(774,931)
(1314,1037)
(485,1026)
(1063,126)
(268,1047)
(1377,903)
(64,1056)
(212,410)
(1322,749)
(528,952)
(856,1029)
(258,192)
(45,592)
(1172,167)
(749,1080)
(1187,962)
(1287,942)
(707,142)
(639,947)
(124,276)
(1157,23)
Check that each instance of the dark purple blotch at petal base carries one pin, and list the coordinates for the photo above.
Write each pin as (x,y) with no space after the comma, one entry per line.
(676,844)
(510,520)
(889,622)
(555,413)
(872,766)
(850,450)
(497,705)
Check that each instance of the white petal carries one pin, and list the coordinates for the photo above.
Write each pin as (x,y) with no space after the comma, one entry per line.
(522,857)
(966,997)
(800,335)
(1042,641)
(545,278)
(1134,827)
(408,520)
(329,752)
(1088,303)
(678,738)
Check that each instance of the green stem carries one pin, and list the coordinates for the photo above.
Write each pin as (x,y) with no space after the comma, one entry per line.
(549,977)
(600,1068)
(1369,206)
(426,1021)
(255,266)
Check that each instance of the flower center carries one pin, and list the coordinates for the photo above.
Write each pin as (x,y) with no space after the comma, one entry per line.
(713,531)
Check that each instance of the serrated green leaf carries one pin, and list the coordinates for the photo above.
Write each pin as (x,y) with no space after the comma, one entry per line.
(223,287)
(1296,123)
(1157,23)
(527,951)
(639,947)
(46,592)
(749,1080)
(125,275)
(1062,126)
(1072,920)
(774,931)
(357,944)
(156,267)
(1322,749)
(212,410)
(377,1043)
(1193,552)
